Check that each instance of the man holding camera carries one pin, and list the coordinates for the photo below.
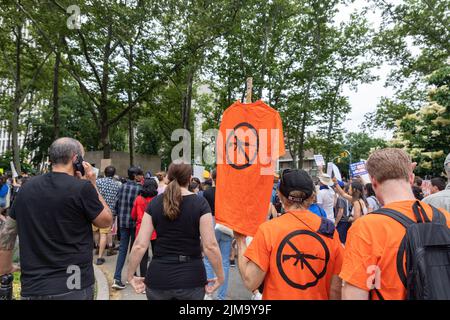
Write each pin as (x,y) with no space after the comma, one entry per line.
(52,215)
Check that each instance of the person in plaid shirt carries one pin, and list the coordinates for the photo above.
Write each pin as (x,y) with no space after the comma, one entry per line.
(109,190)
(127,194)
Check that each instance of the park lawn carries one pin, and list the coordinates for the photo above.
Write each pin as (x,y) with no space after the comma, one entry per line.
(16,286)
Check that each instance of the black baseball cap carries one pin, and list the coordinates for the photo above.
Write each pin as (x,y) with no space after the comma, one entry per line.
(296,180)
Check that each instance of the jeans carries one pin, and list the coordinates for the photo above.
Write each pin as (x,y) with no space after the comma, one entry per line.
(224,242)
(176,294)
(84,294)
(342,229)
(127,236)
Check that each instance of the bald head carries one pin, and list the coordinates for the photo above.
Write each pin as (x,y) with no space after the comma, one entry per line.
(62,150)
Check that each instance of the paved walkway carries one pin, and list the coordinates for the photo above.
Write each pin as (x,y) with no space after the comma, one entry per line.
(236,289)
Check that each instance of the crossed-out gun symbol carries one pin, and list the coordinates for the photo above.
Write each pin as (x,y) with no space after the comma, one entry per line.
(299,256)
(239,146)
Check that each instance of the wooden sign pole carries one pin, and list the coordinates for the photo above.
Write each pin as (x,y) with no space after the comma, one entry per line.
(249,90)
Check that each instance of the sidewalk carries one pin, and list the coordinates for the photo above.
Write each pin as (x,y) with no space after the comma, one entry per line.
(236,289)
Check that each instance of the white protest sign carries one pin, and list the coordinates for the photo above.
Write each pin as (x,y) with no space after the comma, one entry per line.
(365,178)
(333,170)
(336,172)
(13,170)
(198,172)
(319,160)
(330,169)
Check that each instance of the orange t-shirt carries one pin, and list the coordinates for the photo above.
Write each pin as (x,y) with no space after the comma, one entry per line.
(299,262)
(373,241)
(252,140)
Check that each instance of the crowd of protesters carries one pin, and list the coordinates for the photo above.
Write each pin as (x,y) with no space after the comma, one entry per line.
(165,225)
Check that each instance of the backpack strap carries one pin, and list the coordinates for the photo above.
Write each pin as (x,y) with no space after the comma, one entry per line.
(326,228)
(420,213)
(405,222)
(397,216)
(438,216)
(377,292)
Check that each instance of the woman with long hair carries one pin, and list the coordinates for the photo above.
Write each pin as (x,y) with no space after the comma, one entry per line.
(180,219)
(148,192)
(372,202)
(356,197)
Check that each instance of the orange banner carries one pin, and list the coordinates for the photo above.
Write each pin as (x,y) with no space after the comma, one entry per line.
(248,146)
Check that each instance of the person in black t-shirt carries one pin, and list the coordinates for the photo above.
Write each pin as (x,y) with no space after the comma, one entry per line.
(180,218)
(52,215)
(210,193)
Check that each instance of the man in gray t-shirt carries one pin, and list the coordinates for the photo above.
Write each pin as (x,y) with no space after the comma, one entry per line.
(441,199)
(342,215)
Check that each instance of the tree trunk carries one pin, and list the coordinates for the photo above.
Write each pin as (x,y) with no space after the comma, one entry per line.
(329,132)
(56,121)
(187,103)
(301,152)
(16,104)
(331,122)
(130,114)
(131,137)
(103,108)
(105,141)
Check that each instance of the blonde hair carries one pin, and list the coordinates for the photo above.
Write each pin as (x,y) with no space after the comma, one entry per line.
(304,204)
(389,164)
(160,175)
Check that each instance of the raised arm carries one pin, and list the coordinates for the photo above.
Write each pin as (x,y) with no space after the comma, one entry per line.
(341,192)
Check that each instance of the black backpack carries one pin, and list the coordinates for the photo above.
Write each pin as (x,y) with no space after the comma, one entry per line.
(427,249)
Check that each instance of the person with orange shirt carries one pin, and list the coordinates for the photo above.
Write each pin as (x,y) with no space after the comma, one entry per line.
(148,192)
(373,242)
(298,255)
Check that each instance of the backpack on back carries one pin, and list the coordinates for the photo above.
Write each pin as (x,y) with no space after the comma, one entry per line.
(427,249)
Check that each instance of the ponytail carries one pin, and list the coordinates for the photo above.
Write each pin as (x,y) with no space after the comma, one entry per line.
(172,200)
(179,174)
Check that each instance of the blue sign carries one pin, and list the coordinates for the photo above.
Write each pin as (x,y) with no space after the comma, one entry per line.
(358,169)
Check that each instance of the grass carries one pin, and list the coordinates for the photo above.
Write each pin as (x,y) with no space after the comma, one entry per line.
(16,286)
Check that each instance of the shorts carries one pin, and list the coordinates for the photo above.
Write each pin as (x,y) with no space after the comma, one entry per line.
(102,230)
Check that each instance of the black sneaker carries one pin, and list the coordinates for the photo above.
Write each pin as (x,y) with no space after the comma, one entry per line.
(117,284)
(232,263)
(100,261)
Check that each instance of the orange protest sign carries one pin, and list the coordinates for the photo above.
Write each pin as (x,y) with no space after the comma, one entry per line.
(250,141)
